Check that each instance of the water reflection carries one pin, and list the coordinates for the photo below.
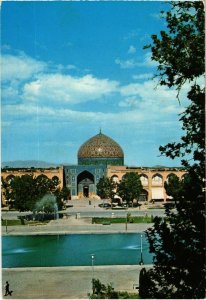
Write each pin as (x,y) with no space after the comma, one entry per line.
(73,250)
(19,251)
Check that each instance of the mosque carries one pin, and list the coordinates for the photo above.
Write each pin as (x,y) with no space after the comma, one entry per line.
(102,156)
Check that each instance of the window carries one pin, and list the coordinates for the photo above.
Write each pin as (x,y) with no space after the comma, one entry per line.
(157,180)
(144,180)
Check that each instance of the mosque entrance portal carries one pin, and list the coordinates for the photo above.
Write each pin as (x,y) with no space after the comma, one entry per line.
(86,187)
(86,191)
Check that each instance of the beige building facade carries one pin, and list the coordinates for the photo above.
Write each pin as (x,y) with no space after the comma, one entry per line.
(51,173)
(152,180)
(101,156)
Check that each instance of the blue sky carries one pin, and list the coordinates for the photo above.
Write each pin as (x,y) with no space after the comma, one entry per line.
(69,68)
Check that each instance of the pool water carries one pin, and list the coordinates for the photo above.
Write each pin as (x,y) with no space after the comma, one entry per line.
(74,250)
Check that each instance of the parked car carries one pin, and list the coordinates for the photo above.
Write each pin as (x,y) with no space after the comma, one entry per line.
(105,205)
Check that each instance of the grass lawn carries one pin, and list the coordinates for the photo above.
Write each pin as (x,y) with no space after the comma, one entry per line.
(10,222)
(107,221)
(18,222)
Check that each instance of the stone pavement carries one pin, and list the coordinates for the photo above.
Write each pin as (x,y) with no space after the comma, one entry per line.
(73,225)
(67,282)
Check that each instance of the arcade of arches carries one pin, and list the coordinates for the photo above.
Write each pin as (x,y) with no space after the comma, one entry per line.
(97,157)
(84,183)
(152,179)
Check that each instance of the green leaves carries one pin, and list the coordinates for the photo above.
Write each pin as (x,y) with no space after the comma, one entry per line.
(130,187)
(27,190)
(106,188)
(178,240)
(180,51)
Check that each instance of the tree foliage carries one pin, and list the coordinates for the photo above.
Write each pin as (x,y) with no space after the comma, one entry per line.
(178,242)
(105,188)
(144,282)
(61,196)
(130,187)
(173,186)
(102,291)
(26,190)
(180,55)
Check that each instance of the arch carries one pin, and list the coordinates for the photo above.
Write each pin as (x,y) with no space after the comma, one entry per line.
(41,176)
(157,180)
(184,176)
(171,174)
(9,178)
(143,196)
(144,179)
(56,180)
(85,176)
(85,183)
(124,176)
(41,179)
(115,178)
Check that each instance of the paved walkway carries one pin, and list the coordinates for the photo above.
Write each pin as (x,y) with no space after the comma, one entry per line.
(67,282)
(73,225)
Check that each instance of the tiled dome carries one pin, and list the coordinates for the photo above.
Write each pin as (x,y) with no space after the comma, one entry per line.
(100,146)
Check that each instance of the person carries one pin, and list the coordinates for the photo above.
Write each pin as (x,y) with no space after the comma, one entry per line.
(7,291)
(6,288)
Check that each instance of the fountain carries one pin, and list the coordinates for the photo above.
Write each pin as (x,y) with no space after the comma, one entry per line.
(56,211)
(47,205)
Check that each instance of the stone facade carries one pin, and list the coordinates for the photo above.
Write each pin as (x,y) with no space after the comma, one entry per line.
(82,180)
(152,179)
(50,173)
(97,157)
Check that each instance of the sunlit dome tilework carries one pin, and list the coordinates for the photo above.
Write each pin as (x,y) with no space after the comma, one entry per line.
(101,149)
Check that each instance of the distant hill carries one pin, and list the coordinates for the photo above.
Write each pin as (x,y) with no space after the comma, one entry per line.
(28,164)
(159,166)
(44,164)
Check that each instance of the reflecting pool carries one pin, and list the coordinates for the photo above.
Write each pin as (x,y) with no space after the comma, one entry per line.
(74,250)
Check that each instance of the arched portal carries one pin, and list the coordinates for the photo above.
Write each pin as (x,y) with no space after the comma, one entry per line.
(157,180)
(144,179)
(10,178)
(85,184)
(115,178)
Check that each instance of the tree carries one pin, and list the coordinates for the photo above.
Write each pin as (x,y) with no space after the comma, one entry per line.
(23,192)
(130,187)
(26,190)
(106,188)
(61,196)
(44,184)
(144,282)
(178,242)
(102,291)
(65,193)
(174,186)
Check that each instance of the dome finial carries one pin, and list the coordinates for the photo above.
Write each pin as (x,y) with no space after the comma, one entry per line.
(100,130)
